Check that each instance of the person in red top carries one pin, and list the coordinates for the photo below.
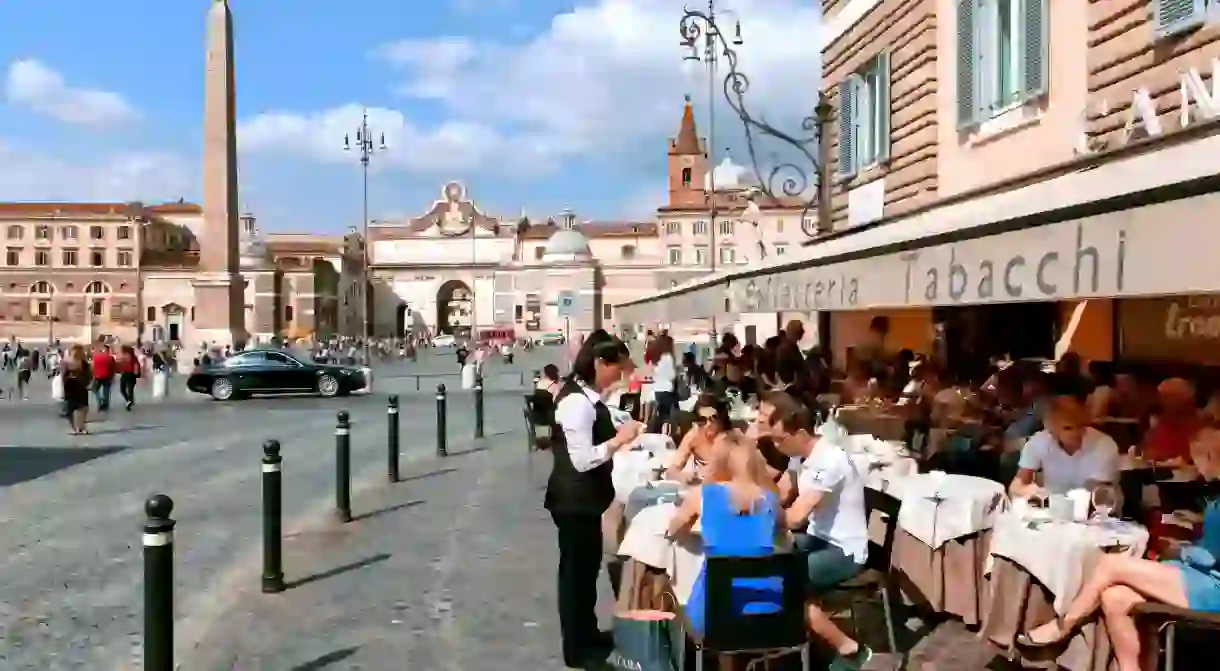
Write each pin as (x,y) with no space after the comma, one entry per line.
(128,366)
(103,366)
(1176,422)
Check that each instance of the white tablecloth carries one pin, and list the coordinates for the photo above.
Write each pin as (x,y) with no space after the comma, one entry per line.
(636,467)
(1059,554)
(646,543)
(880,462)
(939,507)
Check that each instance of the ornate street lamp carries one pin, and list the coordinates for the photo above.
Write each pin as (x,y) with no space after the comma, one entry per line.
(366,148)
(786,178)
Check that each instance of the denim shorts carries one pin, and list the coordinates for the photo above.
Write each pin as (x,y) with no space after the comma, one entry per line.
(828,565)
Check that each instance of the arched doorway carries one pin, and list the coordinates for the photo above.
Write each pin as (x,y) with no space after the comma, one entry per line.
(402,321)
(454,302)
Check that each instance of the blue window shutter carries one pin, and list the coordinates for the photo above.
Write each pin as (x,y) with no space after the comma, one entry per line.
(847,127)
(1171,17)
(883,107)
(968,93)
(1034,49)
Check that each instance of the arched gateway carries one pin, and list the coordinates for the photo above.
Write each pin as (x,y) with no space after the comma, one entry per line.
(454,303)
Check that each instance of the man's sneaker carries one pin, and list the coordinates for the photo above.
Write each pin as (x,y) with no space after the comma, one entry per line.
(852,662)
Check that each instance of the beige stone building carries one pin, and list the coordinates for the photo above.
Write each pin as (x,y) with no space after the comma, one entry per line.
(76,271)
(1009,176)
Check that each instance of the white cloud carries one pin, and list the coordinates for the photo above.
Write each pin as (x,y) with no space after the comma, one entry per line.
(602,79)
(32,84)
(137,175)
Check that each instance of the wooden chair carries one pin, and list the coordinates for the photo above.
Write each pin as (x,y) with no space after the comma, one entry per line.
(1156,619)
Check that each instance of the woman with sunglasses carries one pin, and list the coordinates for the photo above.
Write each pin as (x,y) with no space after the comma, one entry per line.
(580,490)
(697,454)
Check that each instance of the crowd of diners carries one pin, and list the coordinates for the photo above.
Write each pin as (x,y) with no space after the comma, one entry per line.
(1039,427)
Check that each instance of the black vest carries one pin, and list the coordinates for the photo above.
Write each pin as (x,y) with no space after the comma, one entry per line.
(568,490)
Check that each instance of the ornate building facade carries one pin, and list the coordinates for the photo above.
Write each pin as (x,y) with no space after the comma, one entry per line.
(76,271)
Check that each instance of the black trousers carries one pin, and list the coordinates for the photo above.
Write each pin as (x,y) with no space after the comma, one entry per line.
(580,562)
(127,387)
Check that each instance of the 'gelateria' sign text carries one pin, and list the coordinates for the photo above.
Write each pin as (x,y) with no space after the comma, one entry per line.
(805,290)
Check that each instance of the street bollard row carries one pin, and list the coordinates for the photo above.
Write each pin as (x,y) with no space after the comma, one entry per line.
(159,526)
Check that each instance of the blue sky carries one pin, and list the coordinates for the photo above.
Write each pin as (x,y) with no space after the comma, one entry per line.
(534,104)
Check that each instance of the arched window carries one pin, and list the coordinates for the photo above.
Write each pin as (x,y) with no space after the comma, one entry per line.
(42,287)
(97,287)
(686,177)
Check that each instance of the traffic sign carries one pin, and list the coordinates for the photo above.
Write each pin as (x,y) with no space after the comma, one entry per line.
(567,300)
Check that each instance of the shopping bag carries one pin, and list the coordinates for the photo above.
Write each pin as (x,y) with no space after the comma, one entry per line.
(468,376)
(57,387)
(160,384)
(646,640)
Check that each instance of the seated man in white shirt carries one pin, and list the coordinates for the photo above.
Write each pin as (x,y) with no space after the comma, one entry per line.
(830,506)
(1068,454)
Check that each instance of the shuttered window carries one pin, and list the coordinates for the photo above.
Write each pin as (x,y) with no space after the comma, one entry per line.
(1002,56)
(864,117)
(1172,17)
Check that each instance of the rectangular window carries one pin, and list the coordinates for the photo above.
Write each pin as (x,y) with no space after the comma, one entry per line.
(700,227)
(97,233)
(673,228)
(97,258)
(125,259)
(864,117)
(779,225)
(124,232)
(42,232)
(728,255)
(1001,57)
(44,308)
(700,256)
(607,310)
(12,257)
(68,232)
(726,227)
(69,257)
(14,232)
(42,257)
(780,250)
(675,256)
(97,307)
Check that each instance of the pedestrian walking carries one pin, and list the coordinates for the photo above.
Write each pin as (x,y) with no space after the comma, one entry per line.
(103,370)
(128,366)
(77,377)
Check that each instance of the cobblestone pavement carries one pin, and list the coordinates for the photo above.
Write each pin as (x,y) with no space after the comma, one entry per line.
(71,507)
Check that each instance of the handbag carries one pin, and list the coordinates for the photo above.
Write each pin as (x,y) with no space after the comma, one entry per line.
(646,640)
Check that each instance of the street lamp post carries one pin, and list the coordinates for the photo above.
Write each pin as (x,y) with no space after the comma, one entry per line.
(787,178)
(366,147)
(136,218)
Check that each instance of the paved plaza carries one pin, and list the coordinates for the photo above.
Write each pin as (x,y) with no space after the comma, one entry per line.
(450,569)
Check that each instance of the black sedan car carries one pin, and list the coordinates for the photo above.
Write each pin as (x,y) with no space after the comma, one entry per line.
(273,371)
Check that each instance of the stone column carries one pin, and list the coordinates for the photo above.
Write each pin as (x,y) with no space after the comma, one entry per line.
(219,287)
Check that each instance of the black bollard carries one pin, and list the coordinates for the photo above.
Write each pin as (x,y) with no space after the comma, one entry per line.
(478,406)
(159,584)
(441,449)
(273,516)
(343,468)
(392,439)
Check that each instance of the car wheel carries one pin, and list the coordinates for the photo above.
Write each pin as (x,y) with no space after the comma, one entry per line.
(328,386)
(222,389)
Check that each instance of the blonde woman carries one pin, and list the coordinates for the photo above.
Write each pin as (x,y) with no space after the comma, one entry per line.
(77,378)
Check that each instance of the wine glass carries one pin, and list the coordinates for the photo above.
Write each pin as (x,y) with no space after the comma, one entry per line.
(1105,500)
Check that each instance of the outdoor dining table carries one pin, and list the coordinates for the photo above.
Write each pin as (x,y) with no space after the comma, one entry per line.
(1031,585)
(941,540)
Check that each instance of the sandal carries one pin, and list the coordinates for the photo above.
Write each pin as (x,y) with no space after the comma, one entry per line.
(1031,639)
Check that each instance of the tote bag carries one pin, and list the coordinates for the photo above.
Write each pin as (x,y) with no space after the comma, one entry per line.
(57,387)
(646,640)
(160,380)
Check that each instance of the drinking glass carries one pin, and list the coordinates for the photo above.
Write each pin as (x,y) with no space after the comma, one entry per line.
(1105,500)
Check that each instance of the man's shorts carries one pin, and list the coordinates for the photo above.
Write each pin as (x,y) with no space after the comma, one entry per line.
(828,565)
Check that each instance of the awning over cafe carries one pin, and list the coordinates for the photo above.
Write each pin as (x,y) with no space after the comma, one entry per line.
(1133,226)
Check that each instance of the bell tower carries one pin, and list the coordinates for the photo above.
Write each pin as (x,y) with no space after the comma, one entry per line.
(687,164)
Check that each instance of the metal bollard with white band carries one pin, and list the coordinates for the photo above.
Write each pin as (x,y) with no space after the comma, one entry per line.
(392,439)
(441,449)
(159,584)
(478,407)
(273,516)
(343,468)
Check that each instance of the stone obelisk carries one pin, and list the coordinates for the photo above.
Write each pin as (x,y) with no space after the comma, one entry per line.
(219,287)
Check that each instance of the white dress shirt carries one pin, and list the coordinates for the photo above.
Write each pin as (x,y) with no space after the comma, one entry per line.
(576,414)
(663,374)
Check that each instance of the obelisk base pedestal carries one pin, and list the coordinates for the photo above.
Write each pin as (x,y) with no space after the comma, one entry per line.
(219,312)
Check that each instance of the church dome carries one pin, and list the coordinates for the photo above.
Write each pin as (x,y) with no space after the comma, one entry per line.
(567,245)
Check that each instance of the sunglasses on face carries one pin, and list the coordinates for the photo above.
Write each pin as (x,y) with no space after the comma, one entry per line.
(701,420)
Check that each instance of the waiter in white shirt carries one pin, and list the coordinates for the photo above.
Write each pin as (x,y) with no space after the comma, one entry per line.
(580,489)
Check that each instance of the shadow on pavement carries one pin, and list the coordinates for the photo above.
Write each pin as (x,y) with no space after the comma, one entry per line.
(473,450)
(386,511)
(338,570)
(19,464)
(429,474)
(325,660)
